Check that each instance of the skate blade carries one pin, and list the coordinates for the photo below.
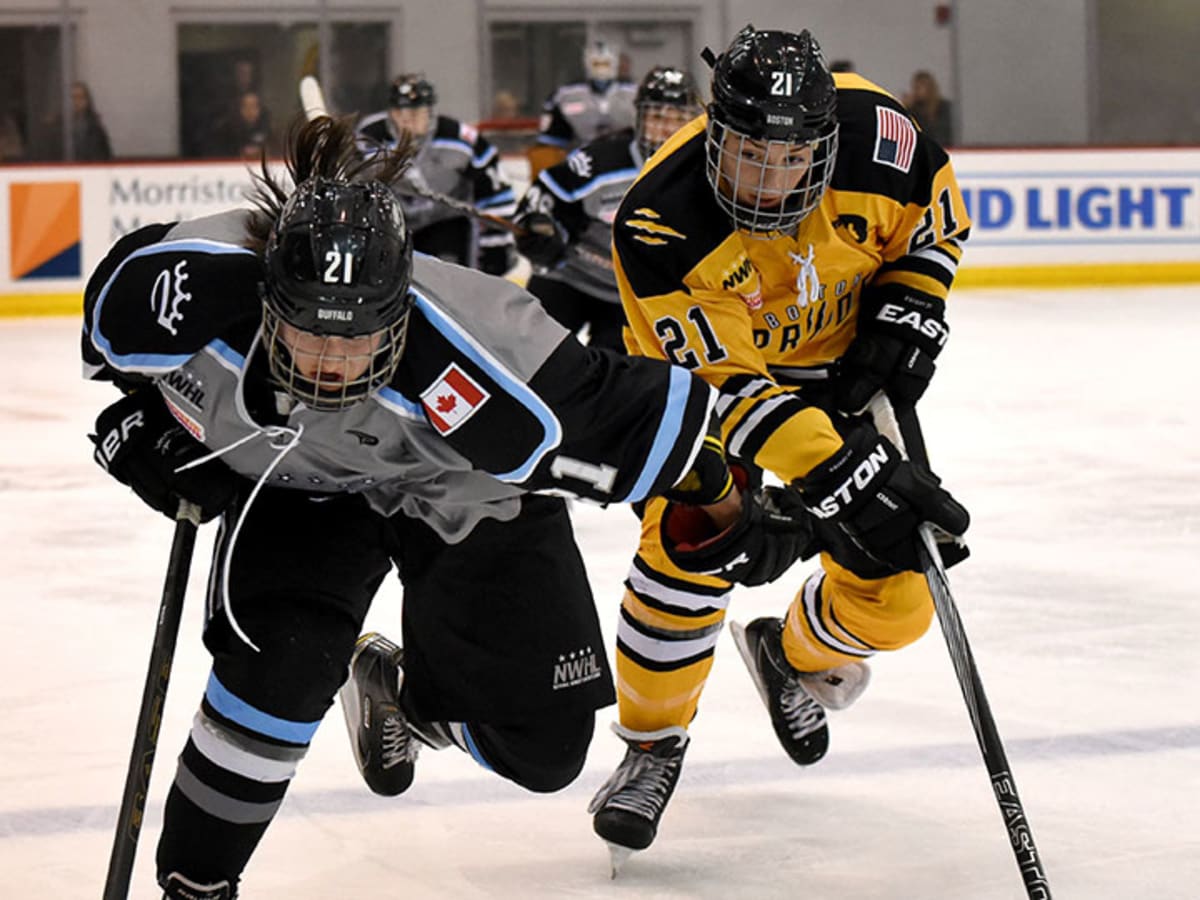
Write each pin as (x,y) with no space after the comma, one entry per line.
(617,857)
(738,632)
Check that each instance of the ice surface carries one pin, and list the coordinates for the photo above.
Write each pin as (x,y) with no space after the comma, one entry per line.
(1065,420)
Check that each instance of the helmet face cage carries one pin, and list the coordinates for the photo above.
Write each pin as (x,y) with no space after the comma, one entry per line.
(600,62)
(772,132)
(768,186)
(666,100)
(335,294)
(413,92)
(329,373)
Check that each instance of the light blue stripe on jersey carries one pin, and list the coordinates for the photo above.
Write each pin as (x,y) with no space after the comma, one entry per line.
(497,199)
(516,388)
(595,184)
(151,362)
(226,352)
(664,440)
(453,144)
(237,710)
(397,402)
(484,158)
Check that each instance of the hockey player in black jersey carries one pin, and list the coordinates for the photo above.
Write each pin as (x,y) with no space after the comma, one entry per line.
(567,212)
(452,159)
(344,407)
(581,111)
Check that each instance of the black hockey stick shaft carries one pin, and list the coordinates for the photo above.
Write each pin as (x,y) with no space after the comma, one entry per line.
(154,696)
(910,441)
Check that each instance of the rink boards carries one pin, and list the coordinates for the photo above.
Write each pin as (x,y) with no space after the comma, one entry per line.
(1039,218)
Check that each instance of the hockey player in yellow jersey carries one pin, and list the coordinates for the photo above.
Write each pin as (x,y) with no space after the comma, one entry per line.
(794,247)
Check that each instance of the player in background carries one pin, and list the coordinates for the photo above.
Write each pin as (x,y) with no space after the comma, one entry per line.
(567,212)
(453,159)
(582,111)
(795,249)
(344,406)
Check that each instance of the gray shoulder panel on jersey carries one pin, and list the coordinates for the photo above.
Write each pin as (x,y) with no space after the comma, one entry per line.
(229,227)
(490,314)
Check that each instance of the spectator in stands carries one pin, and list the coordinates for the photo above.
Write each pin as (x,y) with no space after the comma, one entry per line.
(931,110)
(505,105)
(89,139)
(12,144)
(246,130)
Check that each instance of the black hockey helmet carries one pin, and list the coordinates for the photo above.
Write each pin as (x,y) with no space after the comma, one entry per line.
(337,265)
(665,91)
(773,87)
(411,90)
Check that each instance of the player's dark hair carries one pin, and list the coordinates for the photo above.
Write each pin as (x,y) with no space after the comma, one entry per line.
(323,147)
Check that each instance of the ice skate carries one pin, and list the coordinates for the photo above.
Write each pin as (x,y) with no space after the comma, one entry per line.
(383,743)
(176,887)
(796,700)
(627,808)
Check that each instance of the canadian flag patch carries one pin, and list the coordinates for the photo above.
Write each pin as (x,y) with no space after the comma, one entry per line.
(452,399)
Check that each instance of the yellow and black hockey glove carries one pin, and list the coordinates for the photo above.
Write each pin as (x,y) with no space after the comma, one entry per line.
(900,333)
(867,504)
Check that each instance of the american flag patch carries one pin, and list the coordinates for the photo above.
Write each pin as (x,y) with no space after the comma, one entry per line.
(895,139)
(452,399)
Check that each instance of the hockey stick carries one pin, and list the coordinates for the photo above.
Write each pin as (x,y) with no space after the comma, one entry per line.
(154,696)
(904,430)
(312,101)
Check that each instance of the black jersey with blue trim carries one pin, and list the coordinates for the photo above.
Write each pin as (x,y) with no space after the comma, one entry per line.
(583,193)
(491,397)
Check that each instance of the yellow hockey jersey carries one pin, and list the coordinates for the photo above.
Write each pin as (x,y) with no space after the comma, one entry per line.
(756,316)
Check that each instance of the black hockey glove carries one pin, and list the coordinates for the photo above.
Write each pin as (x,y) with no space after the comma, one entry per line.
(773,531)
(868,503)
(544,241)
(900,333)
(139,443)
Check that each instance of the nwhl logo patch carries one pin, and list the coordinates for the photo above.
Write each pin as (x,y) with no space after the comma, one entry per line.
(452,399)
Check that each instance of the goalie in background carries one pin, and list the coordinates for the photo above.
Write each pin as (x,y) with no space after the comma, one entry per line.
(346,408)
(582,111)
(567,212)
(453,159)
(794,248)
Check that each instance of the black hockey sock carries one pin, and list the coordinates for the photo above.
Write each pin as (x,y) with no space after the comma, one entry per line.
(213,819)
